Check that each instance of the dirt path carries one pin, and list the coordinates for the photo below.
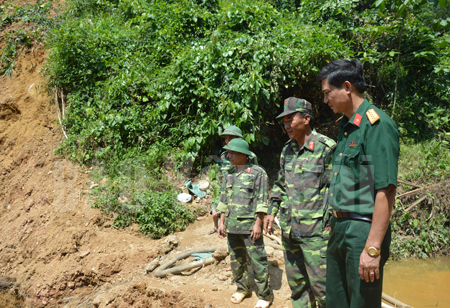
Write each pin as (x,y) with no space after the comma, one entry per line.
(55,250)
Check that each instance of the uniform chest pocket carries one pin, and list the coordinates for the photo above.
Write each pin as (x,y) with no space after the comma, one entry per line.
(289,172)
(247,191)
(311,173)
(351,157)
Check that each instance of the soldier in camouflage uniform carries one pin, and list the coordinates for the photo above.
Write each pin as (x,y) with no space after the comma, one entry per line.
(243,205)
(228,134)
(298,193)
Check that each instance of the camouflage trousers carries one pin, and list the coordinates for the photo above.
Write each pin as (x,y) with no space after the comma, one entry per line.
(306,269)
(243,249)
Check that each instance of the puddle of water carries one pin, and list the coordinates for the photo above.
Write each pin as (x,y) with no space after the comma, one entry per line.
(419,283)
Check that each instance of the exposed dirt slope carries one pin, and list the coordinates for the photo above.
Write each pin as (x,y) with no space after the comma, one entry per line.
(55,250)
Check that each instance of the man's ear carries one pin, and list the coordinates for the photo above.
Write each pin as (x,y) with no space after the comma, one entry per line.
(307,118)
(347,86)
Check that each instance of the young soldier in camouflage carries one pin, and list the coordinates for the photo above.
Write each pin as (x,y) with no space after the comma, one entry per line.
(299,196)
(228,134)
(242,206)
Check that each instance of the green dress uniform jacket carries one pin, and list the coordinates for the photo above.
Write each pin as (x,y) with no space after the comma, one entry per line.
(365,159)
(301,185)
(246,193)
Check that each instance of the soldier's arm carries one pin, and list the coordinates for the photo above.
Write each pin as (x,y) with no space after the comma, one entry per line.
(262,192)
(223,201)
(325,183)
(279,189)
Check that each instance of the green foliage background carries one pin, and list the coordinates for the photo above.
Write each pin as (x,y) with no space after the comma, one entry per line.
(148,78)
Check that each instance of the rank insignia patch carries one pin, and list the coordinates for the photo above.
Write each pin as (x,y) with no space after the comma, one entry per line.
(372,115)
(352,144)
(357,119)
(311,145)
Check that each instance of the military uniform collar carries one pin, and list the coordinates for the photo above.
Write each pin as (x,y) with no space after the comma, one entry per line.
(357,116)
(309,143)
(247,168)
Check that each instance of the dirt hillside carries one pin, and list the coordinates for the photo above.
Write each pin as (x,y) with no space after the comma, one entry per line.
(56,251)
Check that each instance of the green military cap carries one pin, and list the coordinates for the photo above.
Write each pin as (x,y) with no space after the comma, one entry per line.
(232,131)
(238,145)
(293,104)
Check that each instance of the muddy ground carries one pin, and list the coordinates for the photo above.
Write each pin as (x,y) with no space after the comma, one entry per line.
(56,251)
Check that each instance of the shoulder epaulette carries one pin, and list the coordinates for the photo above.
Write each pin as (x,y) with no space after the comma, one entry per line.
(372,115)
(327,141)
(255,169)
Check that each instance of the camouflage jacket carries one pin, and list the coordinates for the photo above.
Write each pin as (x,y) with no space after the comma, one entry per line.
(225,166)
(246,193)
(302,182)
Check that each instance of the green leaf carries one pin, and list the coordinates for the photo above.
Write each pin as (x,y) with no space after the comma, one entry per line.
(442,3)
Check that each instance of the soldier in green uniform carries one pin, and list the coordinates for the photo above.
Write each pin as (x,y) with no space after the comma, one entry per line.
(298,194)
(243,205)
(362,189)
(228,134)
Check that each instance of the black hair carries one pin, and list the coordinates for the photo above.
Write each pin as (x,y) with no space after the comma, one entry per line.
(311,119)
(339,71)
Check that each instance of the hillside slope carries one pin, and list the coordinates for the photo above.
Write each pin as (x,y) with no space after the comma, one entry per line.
(55,250)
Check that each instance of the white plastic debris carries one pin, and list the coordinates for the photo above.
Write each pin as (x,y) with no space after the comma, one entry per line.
(183,197)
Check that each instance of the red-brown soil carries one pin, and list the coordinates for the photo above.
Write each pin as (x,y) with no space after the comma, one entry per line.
(56,250)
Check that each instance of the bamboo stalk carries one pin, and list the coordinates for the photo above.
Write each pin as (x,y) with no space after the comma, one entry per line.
(393,301)
(273,237)
(416,203)
(62,106)
(409,183)
(415,190)
(58,112)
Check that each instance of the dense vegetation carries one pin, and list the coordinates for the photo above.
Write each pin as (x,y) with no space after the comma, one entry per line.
(142,79)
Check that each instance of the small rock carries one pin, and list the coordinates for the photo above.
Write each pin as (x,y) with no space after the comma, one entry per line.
(172,239)
(153,265)
(93,186)
(215,289)
(165,248)
(220,253)
(102,298)
(84,253)
(71,284)
(202,290)
(224,276)
(275,263)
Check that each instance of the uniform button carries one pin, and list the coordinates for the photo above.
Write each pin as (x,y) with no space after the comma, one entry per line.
(345,133)
(340,154)
(331,195)
(335,174)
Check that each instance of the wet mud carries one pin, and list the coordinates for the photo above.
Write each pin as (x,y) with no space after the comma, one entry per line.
(419,283)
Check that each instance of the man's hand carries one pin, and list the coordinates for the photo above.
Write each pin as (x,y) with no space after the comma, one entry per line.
(369,267)
(256,231)
(221,231)
(268,223)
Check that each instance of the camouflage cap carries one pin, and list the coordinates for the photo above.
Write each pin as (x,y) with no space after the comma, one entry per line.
(238,145)
(293,104)
(232,131)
